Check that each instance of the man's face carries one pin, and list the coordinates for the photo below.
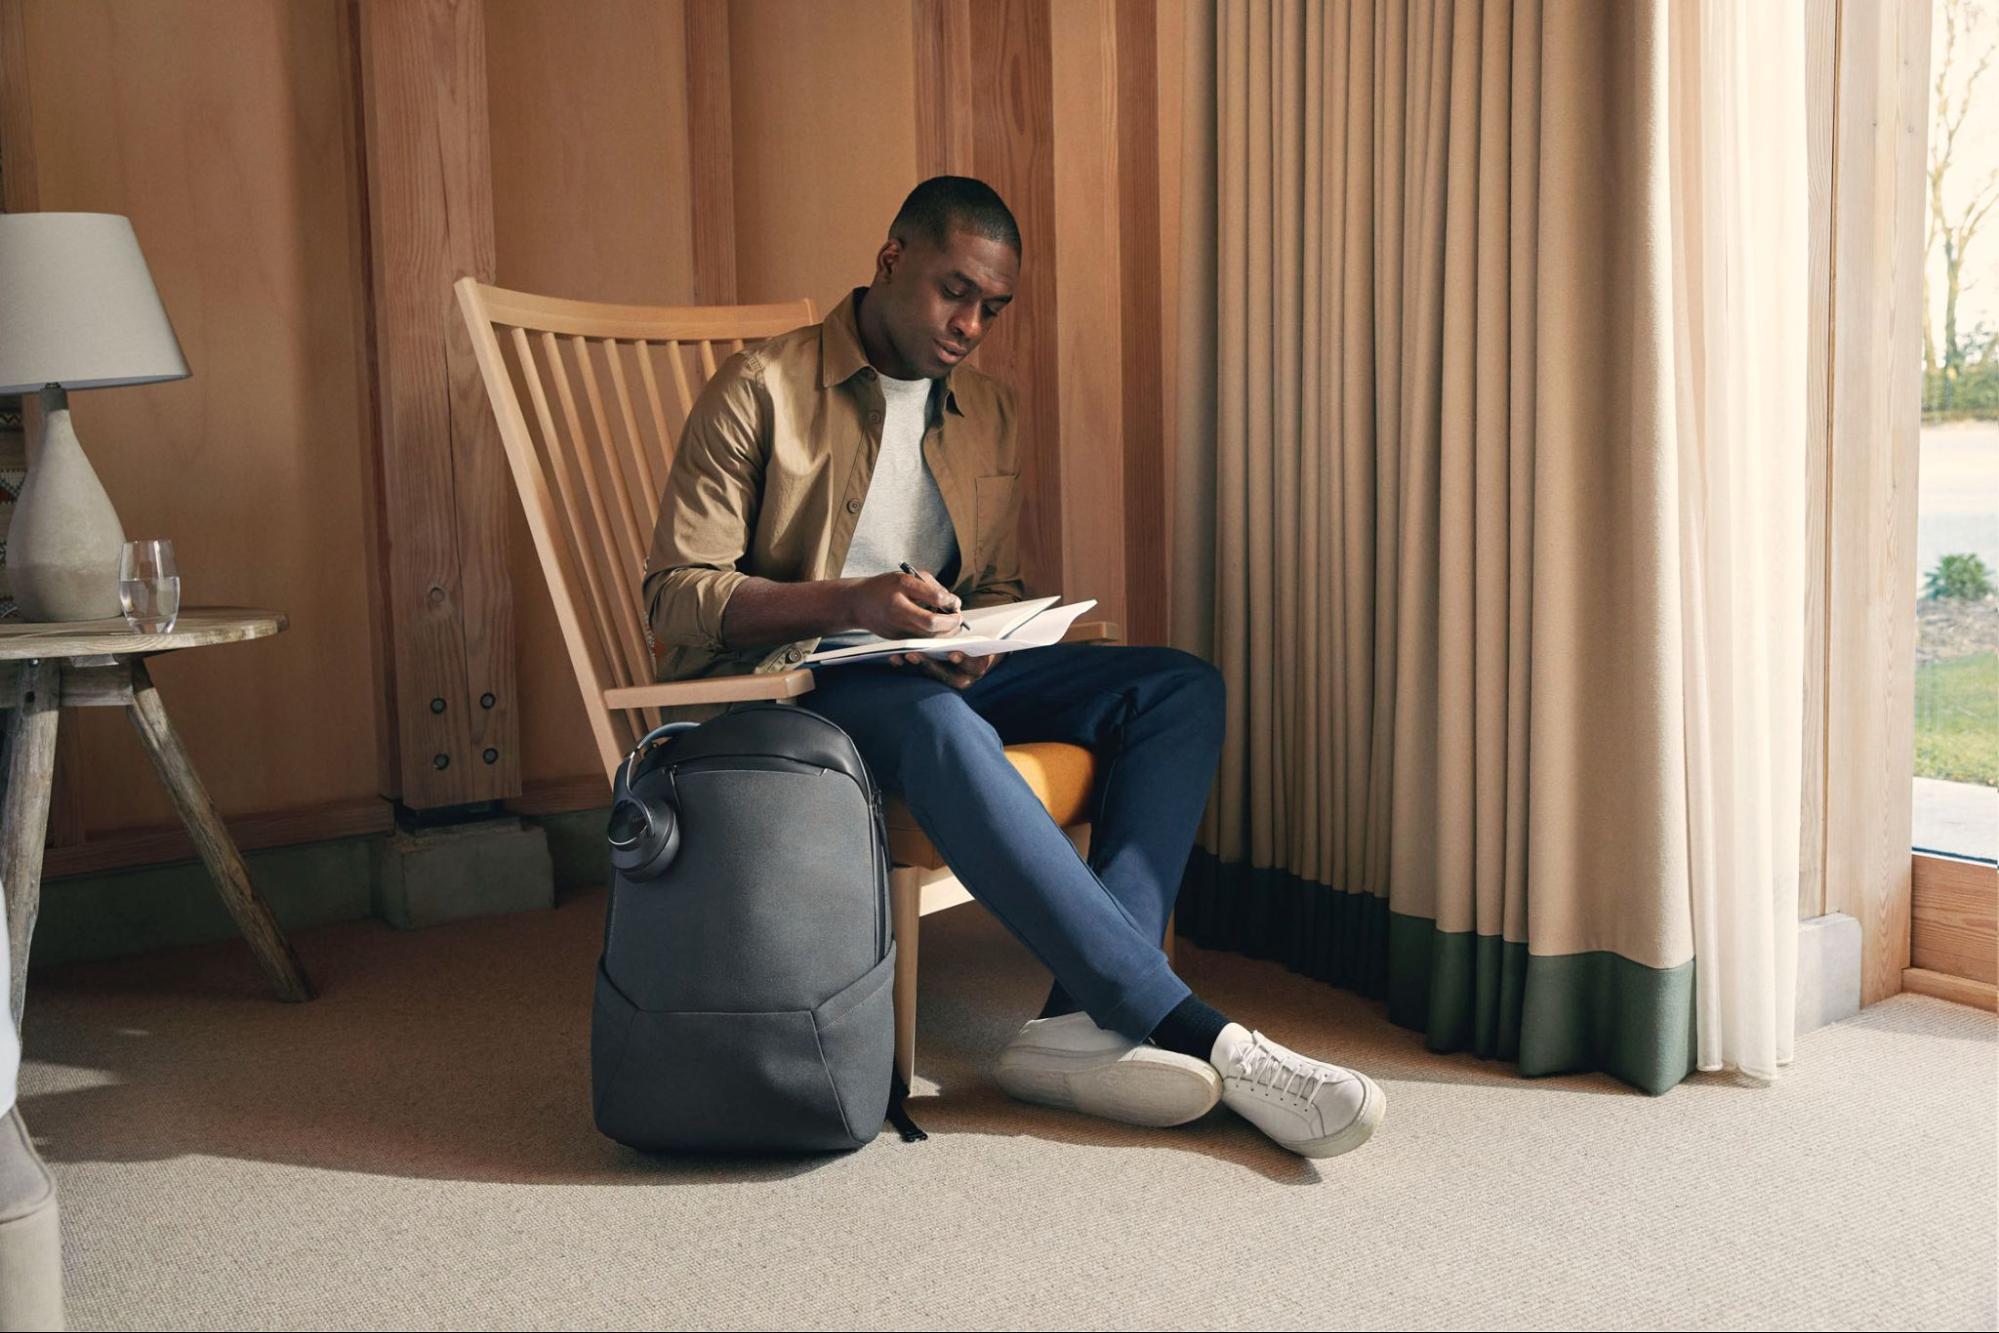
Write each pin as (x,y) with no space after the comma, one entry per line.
(938,301)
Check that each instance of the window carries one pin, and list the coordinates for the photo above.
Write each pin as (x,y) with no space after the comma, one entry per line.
(1957,525)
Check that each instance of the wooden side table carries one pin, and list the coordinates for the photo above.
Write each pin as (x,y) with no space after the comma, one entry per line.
(102,664)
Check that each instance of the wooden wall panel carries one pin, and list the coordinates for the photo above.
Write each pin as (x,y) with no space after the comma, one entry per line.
(711,187)
(374,511)
(943,41)
(589,201)
(1082,167)
(20,194)
(1090,336)
(221,128)
(431,221)
(1147,596)
(1172,19)
(17,112)
(825,141)
(589,174)
(231,130)
(1013,151)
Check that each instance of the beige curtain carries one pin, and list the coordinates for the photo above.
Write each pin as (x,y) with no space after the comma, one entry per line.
(1444,558)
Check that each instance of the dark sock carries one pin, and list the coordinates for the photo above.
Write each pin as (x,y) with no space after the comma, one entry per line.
(1058,1004)
(1190,1029)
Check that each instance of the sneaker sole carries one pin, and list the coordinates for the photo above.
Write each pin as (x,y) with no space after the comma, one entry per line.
(1156,1090)
(1355,1134)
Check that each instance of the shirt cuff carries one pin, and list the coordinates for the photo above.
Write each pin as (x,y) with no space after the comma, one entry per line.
(687,608)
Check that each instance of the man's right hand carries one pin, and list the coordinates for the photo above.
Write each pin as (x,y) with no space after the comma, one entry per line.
(895,606)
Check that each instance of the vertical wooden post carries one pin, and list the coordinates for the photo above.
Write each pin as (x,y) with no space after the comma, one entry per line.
(711,152)
(444,484)
(17,115)
(1013,136)
(1146,592)
(943,40)
(1875,411)
(986,105)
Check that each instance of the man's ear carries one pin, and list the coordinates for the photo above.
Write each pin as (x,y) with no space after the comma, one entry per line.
(887,258)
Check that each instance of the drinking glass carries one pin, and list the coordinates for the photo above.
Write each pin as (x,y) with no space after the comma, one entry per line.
(149,586)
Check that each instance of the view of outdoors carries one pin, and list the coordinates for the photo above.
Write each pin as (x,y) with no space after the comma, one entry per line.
(1957,524)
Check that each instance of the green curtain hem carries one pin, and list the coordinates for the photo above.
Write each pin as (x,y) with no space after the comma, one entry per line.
(1549,1014)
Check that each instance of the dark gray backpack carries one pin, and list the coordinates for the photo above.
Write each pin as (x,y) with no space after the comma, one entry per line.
(745,999)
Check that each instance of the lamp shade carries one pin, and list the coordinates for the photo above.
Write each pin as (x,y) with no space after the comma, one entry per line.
(78,307)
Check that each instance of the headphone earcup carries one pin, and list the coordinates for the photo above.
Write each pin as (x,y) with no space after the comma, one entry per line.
(644,837)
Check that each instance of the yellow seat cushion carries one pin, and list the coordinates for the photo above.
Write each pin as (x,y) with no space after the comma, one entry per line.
(1061,775)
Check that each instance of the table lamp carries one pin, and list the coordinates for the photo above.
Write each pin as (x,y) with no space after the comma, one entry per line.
(77,311)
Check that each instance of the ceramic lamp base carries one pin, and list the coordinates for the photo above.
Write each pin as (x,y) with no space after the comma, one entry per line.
(63,545)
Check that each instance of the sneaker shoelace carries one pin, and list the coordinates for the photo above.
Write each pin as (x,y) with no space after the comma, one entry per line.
(1268,1065)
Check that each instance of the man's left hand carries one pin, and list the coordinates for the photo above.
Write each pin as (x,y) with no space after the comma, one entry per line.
(956,670)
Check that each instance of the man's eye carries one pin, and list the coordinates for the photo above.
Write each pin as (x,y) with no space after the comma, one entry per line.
(992,311)
(955,296)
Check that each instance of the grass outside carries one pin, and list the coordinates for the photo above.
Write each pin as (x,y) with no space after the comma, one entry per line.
(1957,719)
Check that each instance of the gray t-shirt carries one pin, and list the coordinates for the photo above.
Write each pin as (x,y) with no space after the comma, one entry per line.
(903,516)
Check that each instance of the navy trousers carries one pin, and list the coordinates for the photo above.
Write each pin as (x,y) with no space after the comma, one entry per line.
(1154,718)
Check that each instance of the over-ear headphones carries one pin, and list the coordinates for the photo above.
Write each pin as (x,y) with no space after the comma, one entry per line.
(645,830)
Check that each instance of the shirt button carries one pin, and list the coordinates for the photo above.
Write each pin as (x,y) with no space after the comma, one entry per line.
(853,506)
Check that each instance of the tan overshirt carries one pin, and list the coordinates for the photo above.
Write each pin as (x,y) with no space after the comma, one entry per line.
(770,476)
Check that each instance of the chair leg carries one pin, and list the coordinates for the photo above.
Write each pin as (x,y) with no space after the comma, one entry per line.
(905,896)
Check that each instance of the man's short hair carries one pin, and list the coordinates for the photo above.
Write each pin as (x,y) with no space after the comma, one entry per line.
(943,202)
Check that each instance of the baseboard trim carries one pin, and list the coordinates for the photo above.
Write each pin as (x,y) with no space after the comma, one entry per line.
(123,904)
(561,796)
(1958,990)
(124,849)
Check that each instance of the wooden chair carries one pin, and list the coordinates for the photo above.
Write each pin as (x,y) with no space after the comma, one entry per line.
(590,455)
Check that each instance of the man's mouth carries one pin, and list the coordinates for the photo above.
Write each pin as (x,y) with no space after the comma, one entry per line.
(951,355)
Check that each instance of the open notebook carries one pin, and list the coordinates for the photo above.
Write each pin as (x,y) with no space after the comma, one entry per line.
(987,630)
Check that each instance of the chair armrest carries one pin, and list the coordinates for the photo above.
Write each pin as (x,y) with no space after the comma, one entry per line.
(713,690)
(1094,631)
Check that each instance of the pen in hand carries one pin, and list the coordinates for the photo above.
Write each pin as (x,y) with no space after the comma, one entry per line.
(935,609)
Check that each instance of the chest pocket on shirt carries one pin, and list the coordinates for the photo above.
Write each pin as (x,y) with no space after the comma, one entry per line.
(992,513)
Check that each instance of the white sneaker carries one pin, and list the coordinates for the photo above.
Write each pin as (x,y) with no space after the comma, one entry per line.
(1313,1108)
(1071,1063)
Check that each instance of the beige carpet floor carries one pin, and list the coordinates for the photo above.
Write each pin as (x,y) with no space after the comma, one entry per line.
(414,1150)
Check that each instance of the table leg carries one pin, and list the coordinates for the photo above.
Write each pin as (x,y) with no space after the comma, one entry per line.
(24,812)
(204,825)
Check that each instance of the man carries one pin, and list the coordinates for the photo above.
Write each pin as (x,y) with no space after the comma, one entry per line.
(811,470)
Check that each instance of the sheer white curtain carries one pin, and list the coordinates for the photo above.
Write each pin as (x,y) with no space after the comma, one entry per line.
(1737,213)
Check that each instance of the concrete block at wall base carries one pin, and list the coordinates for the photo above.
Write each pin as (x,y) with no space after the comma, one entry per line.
(119,912)
(428,876)
(1828,970)
(577,845)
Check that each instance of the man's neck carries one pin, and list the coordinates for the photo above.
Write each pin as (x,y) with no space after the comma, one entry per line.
(874,340)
